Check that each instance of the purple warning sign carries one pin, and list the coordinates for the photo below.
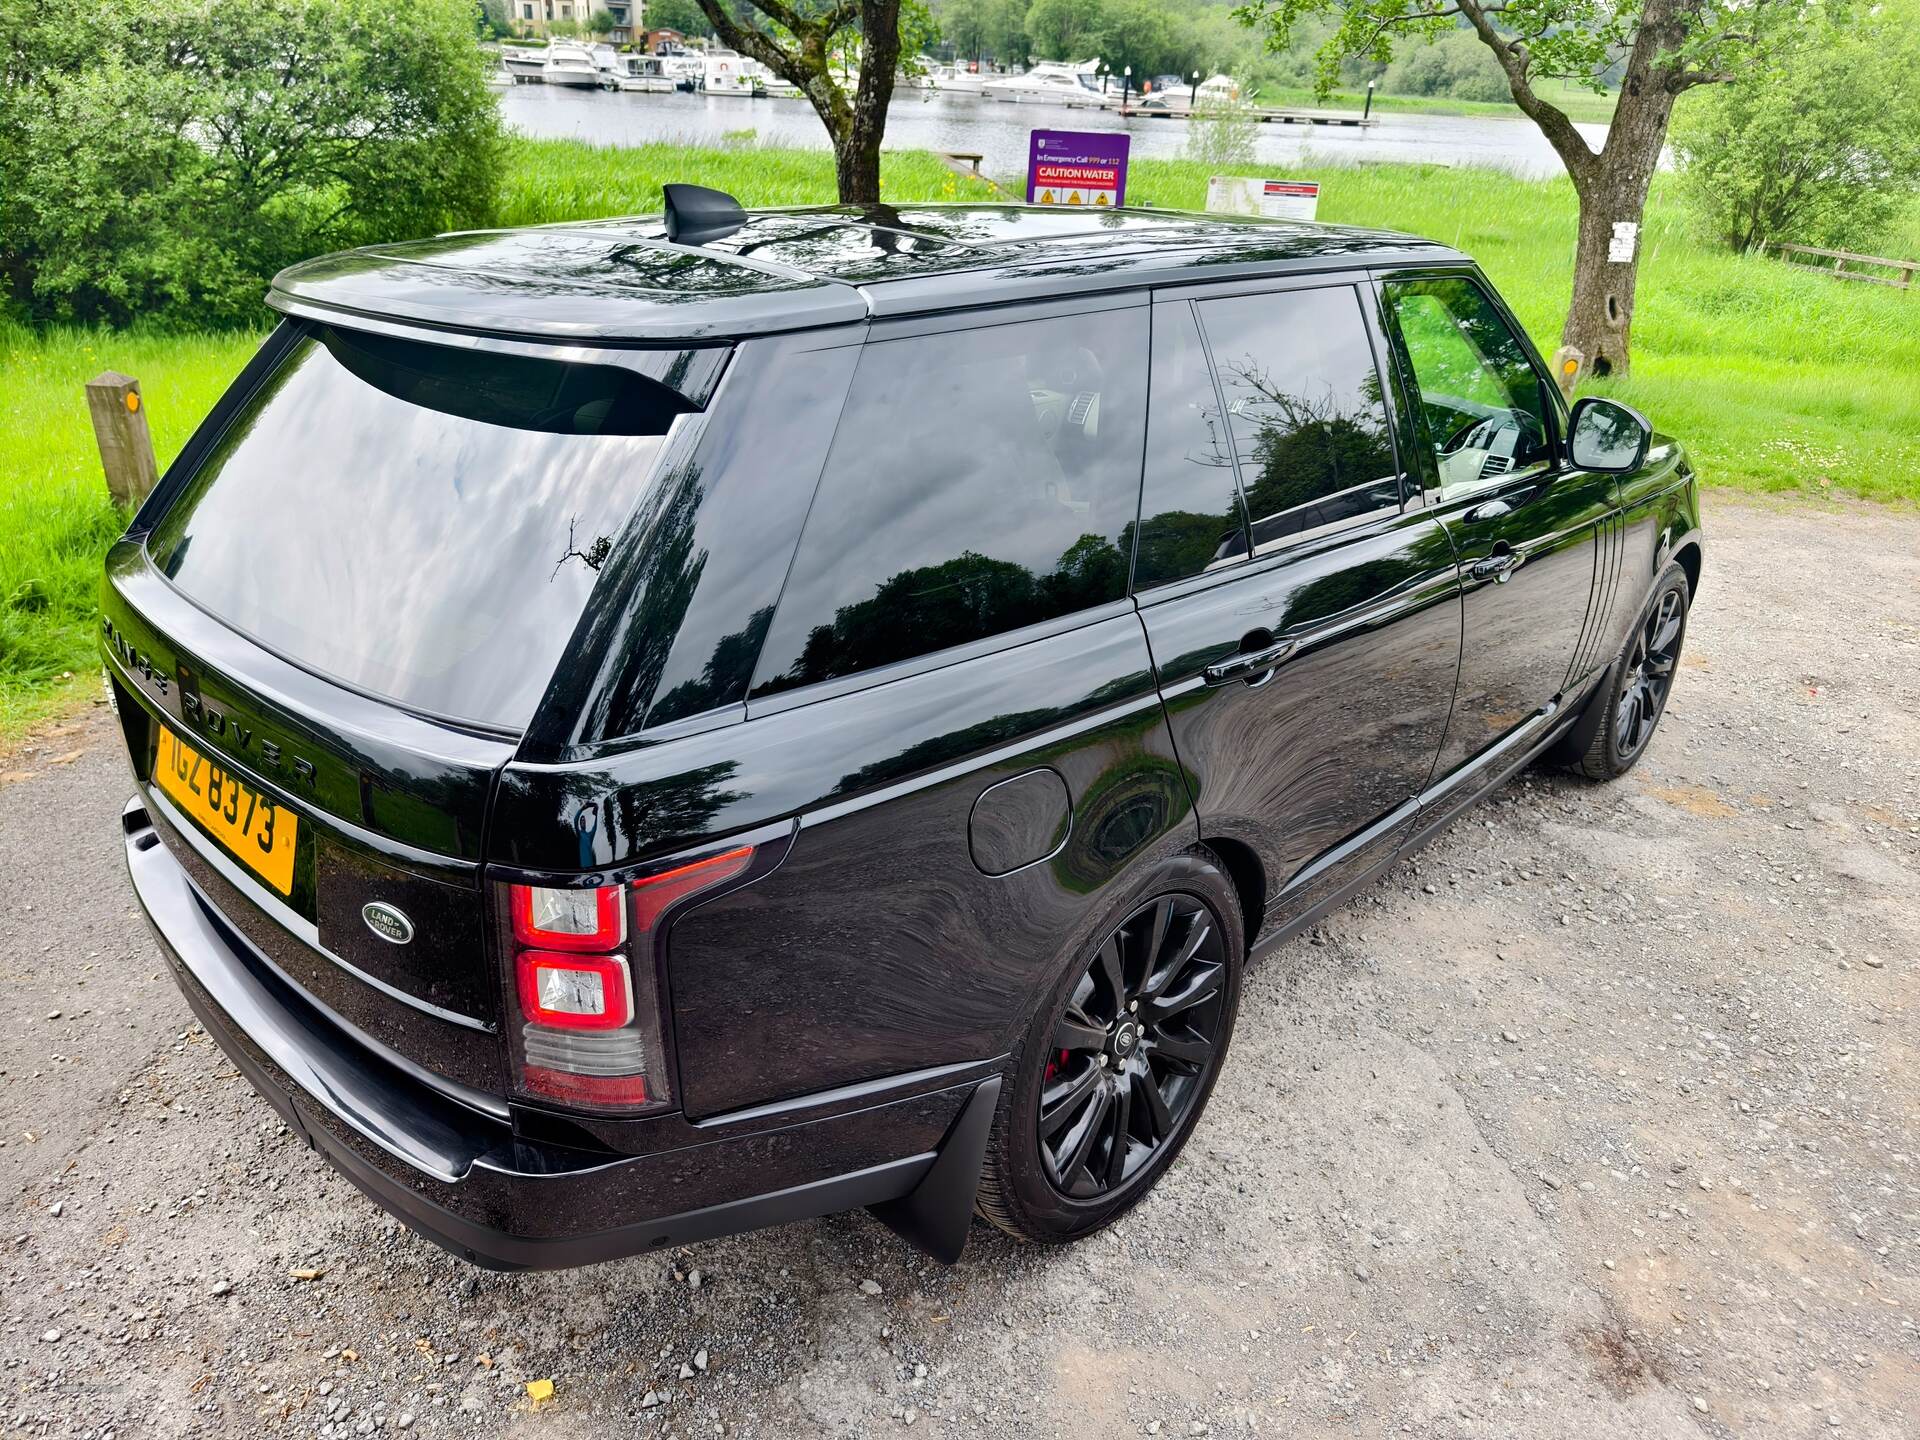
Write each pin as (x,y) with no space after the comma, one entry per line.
(1077,167)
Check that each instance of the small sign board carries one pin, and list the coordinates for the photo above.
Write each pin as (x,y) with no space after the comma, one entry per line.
(1077,167)
(1620,244)
(1275,199)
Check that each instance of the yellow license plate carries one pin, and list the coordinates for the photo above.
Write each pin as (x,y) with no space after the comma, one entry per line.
(257,832)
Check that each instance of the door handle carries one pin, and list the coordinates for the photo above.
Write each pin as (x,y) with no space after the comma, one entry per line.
(1249,664)
(1497,567)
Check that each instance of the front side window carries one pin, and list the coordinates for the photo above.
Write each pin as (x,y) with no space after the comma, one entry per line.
(1304,402)
(979,481)
(1482,407)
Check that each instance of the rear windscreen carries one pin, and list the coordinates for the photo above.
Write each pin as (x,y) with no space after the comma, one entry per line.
(421,522)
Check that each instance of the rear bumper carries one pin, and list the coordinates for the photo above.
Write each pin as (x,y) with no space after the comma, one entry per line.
(473,1185)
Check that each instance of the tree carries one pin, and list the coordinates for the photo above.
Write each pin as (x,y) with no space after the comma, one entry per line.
(1140,33)
(600,22)
(1670,46)
(166,159)
(1820,147)
(1065,29)
(799,44)
(682,15)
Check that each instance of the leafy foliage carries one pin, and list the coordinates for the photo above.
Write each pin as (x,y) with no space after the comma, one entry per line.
(1221,135)
(808,43)
(1819,147)
(166,160)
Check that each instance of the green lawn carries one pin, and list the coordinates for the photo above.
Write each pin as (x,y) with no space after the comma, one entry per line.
(1777,379)
(1579,103)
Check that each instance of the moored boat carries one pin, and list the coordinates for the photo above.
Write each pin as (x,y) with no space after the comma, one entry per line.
(570,64)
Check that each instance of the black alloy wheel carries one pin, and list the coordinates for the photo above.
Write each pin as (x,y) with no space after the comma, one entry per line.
(1641,681)
(1134,1047)
(1119,1061)
(1650,666)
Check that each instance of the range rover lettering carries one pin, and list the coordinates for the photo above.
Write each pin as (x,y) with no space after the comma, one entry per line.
(654,727)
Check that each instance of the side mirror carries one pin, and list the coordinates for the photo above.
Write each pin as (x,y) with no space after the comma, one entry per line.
(1608,436)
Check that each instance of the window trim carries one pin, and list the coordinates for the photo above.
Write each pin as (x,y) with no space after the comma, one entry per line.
(916,327)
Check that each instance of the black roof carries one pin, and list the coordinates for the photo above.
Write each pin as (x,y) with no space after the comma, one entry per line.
(622,279)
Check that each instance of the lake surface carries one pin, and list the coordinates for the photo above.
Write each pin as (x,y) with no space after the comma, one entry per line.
(998,130)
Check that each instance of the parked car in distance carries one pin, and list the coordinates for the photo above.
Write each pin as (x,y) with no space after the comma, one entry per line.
(654,727)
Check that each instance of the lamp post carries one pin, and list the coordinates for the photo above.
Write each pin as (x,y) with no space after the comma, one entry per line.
(1193,95)
(1367,109)
(1126,85)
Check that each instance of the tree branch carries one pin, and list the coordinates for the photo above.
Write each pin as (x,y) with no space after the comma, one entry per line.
(1566,140)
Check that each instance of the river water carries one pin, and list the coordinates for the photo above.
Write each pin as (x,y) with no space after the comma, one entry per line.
(998,129)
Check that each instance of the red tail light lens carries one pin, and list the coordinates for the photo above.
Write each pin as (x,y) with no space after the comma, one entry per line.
(573,992)
(551,919)
(585,970)
(654,894)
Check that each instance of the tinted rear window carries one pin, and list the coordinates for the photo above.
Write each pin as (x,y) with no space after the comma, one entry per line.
(421,522)
(979,481)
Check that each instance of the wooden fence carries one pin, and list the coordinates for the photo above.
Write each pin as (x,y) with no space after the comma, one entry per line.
(1903,280)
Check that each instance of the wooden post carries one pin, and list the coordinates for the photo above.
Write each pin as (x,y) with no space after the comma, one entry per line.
(1567,364)
(120,429)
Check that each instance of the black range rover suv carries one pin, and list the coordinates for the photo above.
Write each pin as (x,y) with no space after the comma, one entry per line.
(646,729)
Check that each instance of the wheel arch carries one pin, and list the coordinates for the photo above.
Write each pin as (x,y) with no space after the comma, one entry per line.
(1248,877)
(1688,557)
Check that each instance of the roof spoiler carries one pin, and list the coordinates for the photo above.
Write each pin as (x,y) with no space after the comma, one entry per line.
(696,214)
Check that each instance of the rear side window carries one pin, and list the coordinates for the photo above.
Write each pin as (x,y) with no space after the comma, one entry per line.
(979,481)
(1304,401)
(420,522)
(1190,516)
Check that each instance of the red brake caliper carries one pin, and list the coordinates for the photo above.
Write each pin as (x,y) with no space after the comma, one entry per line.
(1053,1066)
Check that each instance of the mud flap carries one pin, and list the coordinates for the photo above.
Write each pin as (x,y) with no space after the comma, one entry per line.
(936,1214)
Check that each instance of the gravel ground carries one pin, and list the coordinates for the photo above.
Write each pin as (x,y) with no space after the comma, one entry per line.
(1600,1117)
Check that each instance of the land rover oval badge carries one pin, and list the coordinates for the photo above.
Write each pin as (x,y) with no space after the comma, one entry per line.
(386,922)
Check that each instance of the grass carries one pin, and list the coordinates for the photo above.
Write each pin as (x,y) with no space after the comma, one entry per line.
(1579,103)
(55,519)
(553,180)
(1777,379)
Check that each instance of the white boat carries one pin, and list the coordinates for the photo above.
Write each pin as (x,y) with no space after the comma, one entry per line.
(1048,80)
(570,64)
(728,73)
(1218,89)
(951,79)
(522,63)
(645,73)
(687,69)
(606,60)
(771,82)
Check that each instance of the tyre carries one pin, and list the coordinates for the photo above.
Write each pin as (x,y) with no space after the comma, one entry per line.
(1641,680)
(1120,1059)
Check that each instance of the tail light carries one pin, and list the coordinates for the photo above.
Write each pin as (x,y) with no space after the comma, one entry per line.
(586,979)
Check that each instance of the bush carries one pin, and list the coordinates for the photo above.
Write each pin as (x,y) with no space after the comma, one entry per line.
(1821,147)
(1457,66)
(166,160)
(1221,135)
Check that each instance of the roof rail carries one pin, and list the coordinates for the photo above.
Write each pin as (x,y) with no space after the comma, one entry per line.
(696,214)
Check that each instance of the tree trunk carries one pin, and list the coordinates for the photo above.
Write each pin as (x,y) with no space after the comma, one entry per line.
(856,152)
(856,164)
(1612,185)
(1613,201)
